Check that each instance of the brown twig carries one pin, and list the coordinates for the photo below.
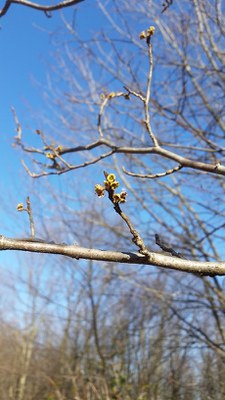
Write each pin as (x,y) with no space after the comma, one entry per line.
(105,99)
(134,93)
(67,169)
(166,5)
(30,215)
(28,210)
(165,247)
(148,94)
(153,176)
(110,185)
(137,239)
(18,125)
(182,161)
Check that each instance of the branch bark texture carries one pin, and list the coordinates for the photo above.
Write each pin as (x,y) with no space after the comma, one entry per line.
(152,259)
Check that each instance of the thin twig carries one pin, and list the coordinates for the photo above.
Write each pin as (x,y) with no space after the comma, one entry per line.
(103,104)
(71,168)
(153,176)
(147,97)
(18,125)
(165,247)
(134,93)
(166,5)
(105,100)
(137,239)
(30,215)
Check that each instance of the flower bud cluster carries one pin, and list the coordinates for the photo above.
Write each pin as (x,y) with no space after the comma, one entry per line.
(148,33)
(20,207)
(50,155)
(110,184)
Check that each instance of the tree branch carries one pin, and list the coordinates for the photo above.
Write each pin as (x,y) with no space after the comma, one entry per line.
(153,258)
(46,9)
(153,176)
(217,168)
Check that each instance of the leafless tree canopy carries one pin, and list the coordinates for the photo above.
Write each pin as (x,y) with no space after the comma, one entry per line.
(160,120)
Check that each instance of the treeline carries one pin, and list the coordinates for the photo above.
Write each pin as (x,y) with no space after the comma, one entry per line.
(123,335)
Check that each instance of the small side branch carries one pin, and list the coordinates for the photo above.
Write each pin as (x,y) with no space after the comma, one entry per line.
(18,125)
(31,219)
(61,171)
(28,210)
(166,5)
(147,35)
(105,99)
(110,185)
(153,176)
(165,247)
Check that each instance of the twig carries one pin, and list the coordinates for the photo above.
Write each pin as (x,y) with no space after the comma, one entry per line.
(165,247)
(147,35)
(166,5)
(105,100)
(138,95)
(137,239)
(147,96)
(28,210)
(18,125)
(210,233)
(71,168)
(30,214)
(110,184)
(153,176)
(103,104)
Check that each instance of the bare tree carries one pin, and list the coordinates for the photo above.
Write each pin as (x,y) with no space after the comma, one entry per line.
(145,110)
(187,109)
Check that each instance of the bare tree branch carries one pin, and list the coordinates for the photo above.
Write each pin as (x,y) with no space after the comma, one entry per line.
(36,6)
(153,258)
(153,176)
(166,5)
(183,161)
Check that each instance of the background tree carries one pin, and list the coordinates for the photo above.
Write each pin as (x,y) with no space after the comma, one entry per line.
(124,142)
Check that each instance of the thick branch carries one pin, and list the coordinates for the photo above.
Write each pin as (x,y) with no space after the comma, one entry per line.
(153,259)
(39,7)
(182,161)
